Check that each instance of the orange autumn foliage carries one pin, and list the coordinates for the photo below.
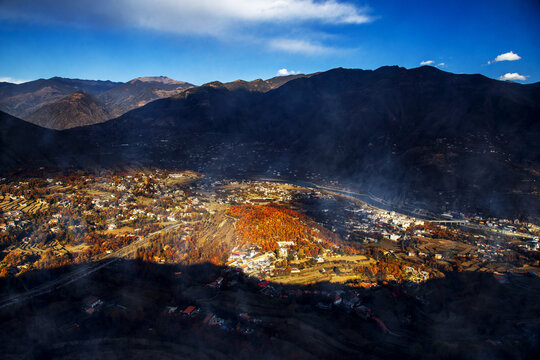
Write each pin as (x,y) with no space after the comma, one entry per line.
(265,225)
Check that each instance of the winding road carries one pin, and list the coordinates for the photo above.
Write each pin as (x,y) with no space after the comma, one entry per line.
(387,206)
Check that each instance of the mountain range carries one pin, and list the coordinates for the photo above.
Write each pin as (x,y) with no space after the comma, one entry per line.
(457,141)
(139,92)
(21,100)
(258,85)
(58,103)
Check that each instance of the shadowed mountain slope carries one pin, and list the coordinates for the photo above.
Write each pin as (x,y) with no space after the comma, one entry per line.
(21,100)
(463,140)
(139,92)
(464,315)
(258,85)
(77,109)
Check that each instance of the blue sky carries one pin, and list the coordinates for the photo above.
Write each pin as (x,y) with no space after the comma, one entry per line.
(204,40)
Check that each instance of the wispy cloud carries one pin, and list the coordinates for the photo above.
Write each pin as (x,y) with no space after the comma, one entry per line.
(184,16)
(513,77)
(432,63)
(12,80)
(300,47)
(222,19)
(285,72)
(509,56)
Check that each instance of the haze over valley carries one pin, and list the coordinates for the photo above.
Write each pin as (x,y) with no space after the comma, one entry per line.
(269,179)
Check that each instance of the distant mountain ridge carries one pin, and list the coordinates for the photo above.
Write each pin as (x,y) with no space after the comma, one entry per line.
(43,102)
(462,141)
(160,79)
(258,85)
(77,109)
(138,92)
(21,100)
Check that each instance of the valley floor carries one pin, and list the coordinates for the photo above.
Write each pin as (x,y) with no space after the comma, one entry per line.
(159,263)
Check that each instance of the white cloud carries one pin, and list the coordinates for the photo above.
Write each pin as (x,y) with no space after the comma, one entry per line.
(12,80)
(207,17)
(441,64)
(513,77)
(426,62)
(285,72)
(247,21)
(299,47)
(509,56)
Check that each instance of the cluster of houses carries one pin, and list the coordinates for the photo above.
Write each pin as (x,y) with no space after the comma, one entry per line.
(533,244)
(389,224)
(252,261)
(92,304)
(12,220)
(415,275)
(347,300)
(103,205)
(242,323)
(340,299)
(251,192)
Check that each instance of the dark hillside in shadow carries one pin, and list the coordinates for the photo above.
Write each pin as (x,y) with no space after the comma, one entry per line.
(464,142)
(137,310)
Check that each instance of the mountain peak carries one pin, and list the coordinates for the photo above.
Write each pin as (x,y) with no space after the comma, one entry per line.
(158,79)
(215,84)
(257,85)
(77,109)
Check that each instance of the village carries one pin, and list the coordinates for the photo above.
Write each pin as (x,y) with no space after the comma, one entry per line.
(183,254)
(74,218)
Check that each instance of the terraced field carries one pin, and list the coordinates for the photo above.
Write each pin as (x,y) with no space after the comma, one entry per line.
(30,207)
(35,249)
